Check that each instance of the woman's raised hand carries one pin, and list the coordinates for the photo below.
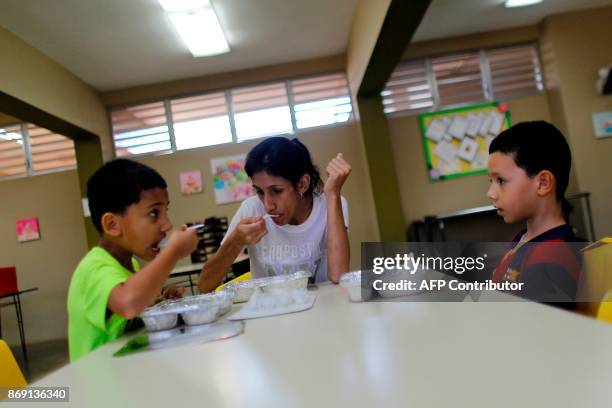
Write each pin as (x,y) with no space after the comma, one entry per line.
(338,171)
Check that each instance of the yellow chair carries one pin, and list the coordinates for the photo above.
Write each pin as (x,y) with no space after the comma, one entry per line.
(10,373)
(596,284)
(605,308)
(241,278)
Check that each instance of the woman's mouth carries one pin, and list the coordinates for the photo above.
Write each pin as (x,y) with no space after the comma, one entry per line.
(274,217)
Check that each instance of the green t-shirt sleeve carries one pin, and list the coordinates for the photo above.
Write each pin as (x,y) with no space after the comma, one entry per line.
(97,291)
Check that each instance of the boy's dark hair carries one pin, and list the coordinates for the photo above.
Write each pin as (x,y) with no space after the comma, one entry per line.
(117,185)
(537,146)
(290,159)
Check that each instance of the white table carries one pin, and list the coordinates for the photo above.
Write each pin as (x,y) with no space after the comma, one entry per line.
(342,354)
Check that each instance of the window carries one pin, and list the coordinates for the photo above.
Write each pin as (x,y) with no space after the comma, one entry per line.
(515,71)
(463,78)
(26,149)
(200,121)
(141,129)
(320,101)
(261,111)
(12,155)
(50,150)
(234,115)
(458,78)
(408,88)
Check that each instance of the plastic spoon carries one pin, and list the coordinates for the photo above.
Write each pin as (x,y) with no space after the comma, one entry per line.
(164,241)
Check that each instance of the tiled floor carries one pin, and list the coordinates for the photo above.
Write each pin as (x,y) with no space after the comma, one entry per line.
(43,358)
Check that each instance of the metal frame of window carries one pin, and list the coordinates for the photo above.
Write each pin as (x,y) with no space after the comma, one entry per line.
(230,112)
(487,81)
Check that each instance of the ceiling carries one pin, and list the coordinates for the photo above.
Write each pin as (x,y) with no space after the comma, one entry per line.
(114,44)
(448,18)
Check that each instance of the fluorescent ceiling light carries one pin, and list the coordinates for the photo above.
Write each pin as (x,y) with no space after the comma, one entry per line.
(521,3)
(198,26)
(183,5)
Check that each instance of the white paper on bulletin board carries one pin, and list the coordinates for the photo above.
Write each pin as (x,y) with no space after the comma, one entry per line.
(457,141)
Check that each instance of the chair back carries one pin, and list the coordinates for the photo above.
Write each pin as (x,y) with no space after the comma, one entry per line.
(595,286)
(8,280)
(10,373)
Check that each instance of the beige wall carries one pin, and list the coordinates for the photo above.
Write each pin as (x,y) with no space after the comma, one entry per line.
(421,197)
(7,119)
(497,38)
(578,45)
(223,81)
(367,22)
(29,75)
(48,263)
(323,144)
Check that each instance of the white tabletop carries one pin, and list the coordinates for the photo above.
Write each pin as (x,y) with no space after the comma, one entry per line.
(342,354)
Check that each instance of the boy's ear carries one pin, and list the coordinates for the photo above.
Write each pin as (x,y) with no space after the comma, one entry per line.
(304,183)
(111,224)
(546,183)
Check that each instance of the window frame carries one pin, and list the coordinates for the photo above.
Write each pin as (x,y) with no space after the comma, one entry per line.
(27,155)
(231,114)
(486,77)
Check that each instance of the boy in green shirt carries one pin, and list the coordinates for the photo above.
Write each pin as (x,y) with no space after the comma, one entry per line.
(128,202)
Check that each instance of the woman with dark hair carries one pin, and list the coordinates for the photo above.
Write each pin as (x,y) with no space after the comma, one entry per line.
(295,222)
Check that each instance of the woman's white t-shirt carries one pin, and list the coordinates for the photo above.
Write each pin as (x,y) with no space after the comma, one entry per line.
(289,248)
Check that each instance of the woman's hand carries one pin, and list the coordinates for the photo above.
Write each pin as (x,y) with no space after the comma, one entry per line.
(250,231)
(338,171)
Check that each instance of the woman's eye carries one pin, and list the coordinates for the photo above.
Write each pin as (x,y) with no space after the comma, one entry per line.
(154,213)
(277,191)
(501,181)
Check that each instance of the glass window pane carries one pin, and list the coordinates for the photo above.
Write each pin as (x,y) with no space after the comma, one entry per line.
(201,120)
(140,129)
(264,122)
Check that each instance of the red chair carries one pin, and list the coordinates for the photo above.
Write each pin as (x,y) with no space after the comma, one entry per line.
(8,280)
(9,288)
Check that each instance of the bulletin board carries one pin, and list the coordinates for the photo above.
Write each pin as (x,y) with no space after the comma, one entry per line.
(457,141)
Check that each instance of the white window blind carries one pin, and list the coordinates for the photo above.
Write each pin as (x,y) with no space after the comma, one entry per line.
(261,111)
(234,115)
(50,150)
(515,71)
(408,88)
(321,100)
(200,121)
(12,155)
(458,78)
(141,129)
(463,78)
